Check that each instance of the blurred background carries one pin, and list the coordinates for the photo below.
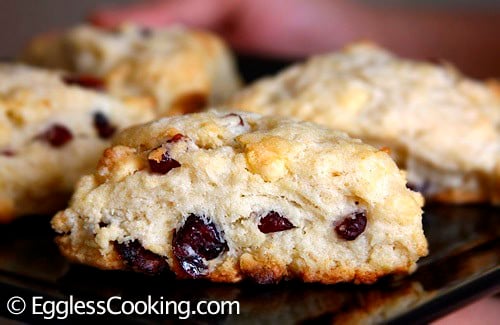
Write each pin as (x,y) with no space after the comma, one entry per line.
(22,19)
(463,32)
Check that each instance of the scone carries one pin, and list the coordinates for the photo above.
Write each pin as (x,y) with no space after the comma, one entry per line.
(52,133)
(440,126)
(232,196)
(182,70)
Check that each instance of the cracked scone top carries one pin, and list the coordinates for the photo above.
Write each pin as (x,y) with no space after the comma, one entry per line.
(181,70)
(441,127)
(52,133)
(227,196)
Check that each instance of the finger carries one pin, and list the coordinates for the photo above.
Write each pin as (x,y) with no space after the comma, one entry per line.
(196,13)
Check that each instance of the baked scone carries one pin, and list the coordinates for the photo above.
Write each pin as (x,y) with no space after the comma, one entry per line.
(231,196)
(182,70)
(52,133)
(440,126)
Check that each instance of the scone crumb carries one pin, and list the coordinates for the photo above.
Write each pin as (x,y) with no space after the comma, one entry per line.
(117,163)
(157,154)
(60,223)
(267,156)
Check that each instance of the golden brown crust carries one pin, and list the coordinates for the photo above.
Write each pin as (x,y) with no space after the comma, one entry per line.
(83,251)
(6,210)
(89,255)
(268,272)
(193,102)
(116,163)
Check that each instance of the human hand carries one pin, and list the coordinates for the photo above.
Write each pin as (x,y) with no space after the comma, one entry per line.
(285,28)
(299,28)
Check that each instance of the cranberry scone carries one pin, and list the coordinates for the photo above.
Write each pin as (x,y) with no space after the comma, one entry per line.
(51,133)
(181,70)
(442,127)
(228,196)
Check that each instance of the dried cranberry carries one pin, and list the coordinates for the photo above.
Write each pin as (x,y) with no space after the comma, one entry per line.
(140,259)
(165,164)
(196,241)
(85,81)
(352,226)
(7,153)
(176,138)
(102,125)
(57,135)
(242,123)
(274,222)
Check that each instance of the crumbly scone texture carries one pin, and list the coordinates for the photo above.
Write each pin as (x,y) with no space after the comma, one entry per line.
(233,170)
(36,107)
(182,70)
(442,127)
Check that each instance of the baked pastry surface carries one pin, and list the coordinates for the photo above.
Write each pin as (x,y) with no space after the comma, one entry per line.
(181,70)
(51,133)
(441,127)
(227,196)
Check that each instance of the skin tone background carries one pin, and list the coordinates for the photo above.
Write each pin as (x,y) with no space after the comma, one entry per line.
(465,33)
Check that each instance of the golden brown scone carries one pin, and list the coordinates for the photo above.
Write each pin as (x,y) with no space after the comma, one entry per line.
(440,126)
(182,70)
(231,196)
(52,133)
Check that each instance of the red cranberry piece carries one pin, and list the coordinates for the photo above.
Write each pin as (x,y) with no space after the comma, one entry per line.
(102,125)
(176,138)
(274,222)
(57,135)
(140,259)
(242,123)
(195,242)
(165,163)
(85,81)
(163,166)
(7,153)
(352,226)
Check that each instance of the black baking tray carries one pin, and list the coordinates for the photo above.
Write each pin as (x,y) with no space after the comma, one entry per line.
(463,266)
